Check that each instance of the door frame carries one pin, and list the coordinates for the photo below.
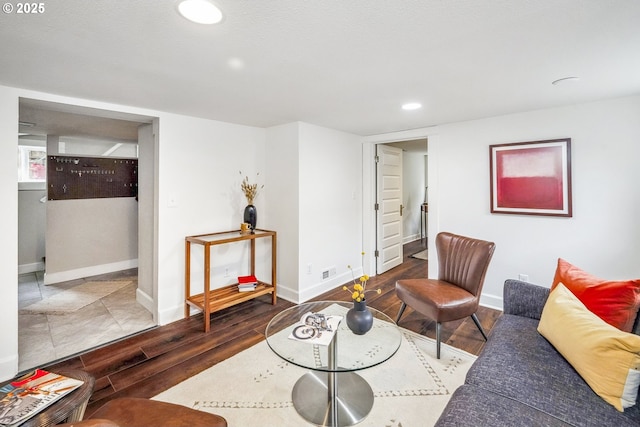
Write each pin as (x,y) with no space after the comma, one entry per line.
(369,189)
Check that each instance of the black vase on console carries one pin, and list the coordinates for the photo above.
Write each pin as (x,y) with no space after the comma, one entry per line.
(251,217)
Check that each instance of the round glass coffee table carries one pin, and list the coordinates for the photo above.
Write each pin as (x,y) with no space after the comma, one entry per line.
(332,393)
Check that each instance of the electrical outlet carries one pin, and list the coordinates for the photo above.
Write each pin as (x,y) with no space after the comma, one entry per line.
(226,272)
(523,277)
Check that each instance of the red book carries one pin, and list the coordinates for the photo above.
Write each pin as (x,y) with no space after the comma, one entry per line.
(247,280)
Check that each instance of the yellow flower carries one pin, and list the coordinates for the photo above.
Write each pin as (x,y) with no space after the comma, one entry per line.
(360,287)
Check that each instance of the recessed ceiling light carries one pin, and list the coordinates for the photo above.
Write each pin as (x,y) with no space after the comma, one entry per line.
(200,11)
(235,63)
(411,106)
(565,80)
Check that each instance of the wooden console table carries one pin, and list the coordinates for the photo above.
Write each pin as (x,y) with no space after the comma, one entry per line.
(217,299)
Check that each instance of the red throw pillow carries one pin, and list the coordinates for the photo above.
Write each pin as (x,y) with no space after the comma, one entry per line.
(615,302)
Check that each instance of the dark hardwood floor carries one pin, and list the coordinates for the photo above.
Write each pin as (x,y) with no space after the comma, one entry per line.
(148,363)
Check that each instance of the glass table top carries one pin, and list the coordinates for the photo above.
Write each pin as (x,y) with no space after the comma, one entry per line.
(352,352)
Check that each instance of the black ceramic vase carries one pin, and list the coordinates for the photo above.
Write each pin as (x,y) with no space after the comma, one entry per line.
(251,216)
(359,318)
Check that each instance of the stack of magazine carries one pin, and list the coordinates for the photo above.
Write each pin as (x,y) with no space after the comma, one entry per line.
(26,396)
(316,328)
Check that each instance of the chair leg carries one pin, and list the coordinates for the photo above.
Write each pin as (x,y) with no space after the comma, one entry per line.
(477,322)
(402,307)
(438,328)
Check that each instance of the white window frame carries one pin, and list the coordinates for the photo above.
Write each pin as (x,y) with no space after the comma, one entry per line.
(25,182)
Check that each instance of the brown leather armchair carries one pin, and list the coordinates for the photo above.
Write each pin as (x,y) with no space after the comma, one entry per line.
(462,266)
(138,412)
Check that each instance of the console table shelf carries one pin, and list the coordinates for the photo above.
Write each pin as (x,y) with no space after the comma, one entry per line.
(214,300)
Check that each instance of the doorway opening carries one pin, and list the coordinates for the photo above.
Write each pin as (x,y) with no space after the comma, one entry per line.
(401,199)
(84,260)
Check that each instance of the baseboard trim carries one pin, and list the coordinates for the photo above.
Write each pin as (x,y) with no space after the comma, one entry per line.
(30,268)
(491,301)
(9,366)
(411,238)
(146,301)
(63,276)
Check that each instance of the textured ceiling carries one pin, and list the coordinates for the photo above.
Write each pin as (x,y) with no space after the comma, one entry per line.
(343,64)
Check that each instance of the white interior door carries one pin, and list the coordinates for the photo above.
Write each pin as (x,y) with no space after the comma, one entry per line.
(389,207)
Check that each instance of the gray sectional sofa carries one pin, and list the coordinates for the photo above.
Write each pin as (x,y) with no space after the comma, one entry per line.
(520,379)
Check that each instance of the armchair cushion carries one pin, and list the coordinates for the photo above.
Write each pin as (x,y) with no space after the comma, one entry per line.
(436,299)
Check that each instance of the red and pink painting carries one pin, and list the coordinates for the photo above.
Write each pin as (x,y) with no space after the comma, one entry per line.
(531,178)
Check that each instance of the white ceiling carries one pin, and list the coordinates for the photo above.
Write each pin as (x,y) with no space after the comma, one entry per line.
(49,118)
(343,64)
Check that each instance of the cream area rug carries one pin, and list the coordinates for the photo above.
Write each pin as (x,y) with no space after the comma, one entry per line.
(75,298)
(253,388)
(421,255)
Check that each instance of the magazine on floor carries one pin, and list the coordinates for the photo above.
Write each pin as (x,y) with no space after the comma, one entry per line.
(316,328)
(26,396)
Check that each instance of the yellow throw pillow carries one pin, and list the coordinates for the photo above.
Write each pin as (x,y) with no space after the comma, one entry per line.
(607,358)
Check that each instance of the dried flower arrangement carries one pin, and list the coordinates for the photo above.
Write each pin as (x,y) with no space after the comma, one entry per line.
(250,190)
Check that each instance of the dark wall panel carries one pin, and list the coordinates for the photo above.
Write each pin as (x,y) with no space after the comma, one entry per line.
(73,177)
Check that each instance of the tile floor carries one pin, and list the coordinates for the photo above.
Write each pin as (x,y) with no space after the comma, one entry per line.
(45,338)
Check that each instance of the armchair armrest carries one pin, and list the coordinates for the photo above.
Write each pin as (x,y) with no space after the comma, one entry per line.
(524,299)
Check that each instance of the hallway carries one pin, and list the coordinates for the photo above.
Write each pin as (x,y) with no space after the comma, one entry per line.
(43,338)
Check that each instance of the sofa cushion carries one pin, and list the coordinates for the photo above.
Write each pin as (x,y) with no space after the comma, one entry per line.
(616,302)
(606,358)
(518,363)
(472,406)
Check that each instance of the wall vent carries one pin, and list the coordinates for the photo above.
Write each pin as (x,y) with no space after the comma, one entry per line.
(328,273)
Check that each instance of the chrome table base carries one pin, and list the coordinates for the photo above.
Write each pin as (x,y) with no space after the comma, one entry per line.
(314,401)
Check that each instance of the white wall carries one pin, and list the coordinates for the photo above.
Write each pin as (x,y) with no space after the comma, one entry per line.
(9,232)
(147,212)
(283,198)
(413,180)
(330,208)
(199,171)
(315,205)
(86,237)
(602,237)
(32,220)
